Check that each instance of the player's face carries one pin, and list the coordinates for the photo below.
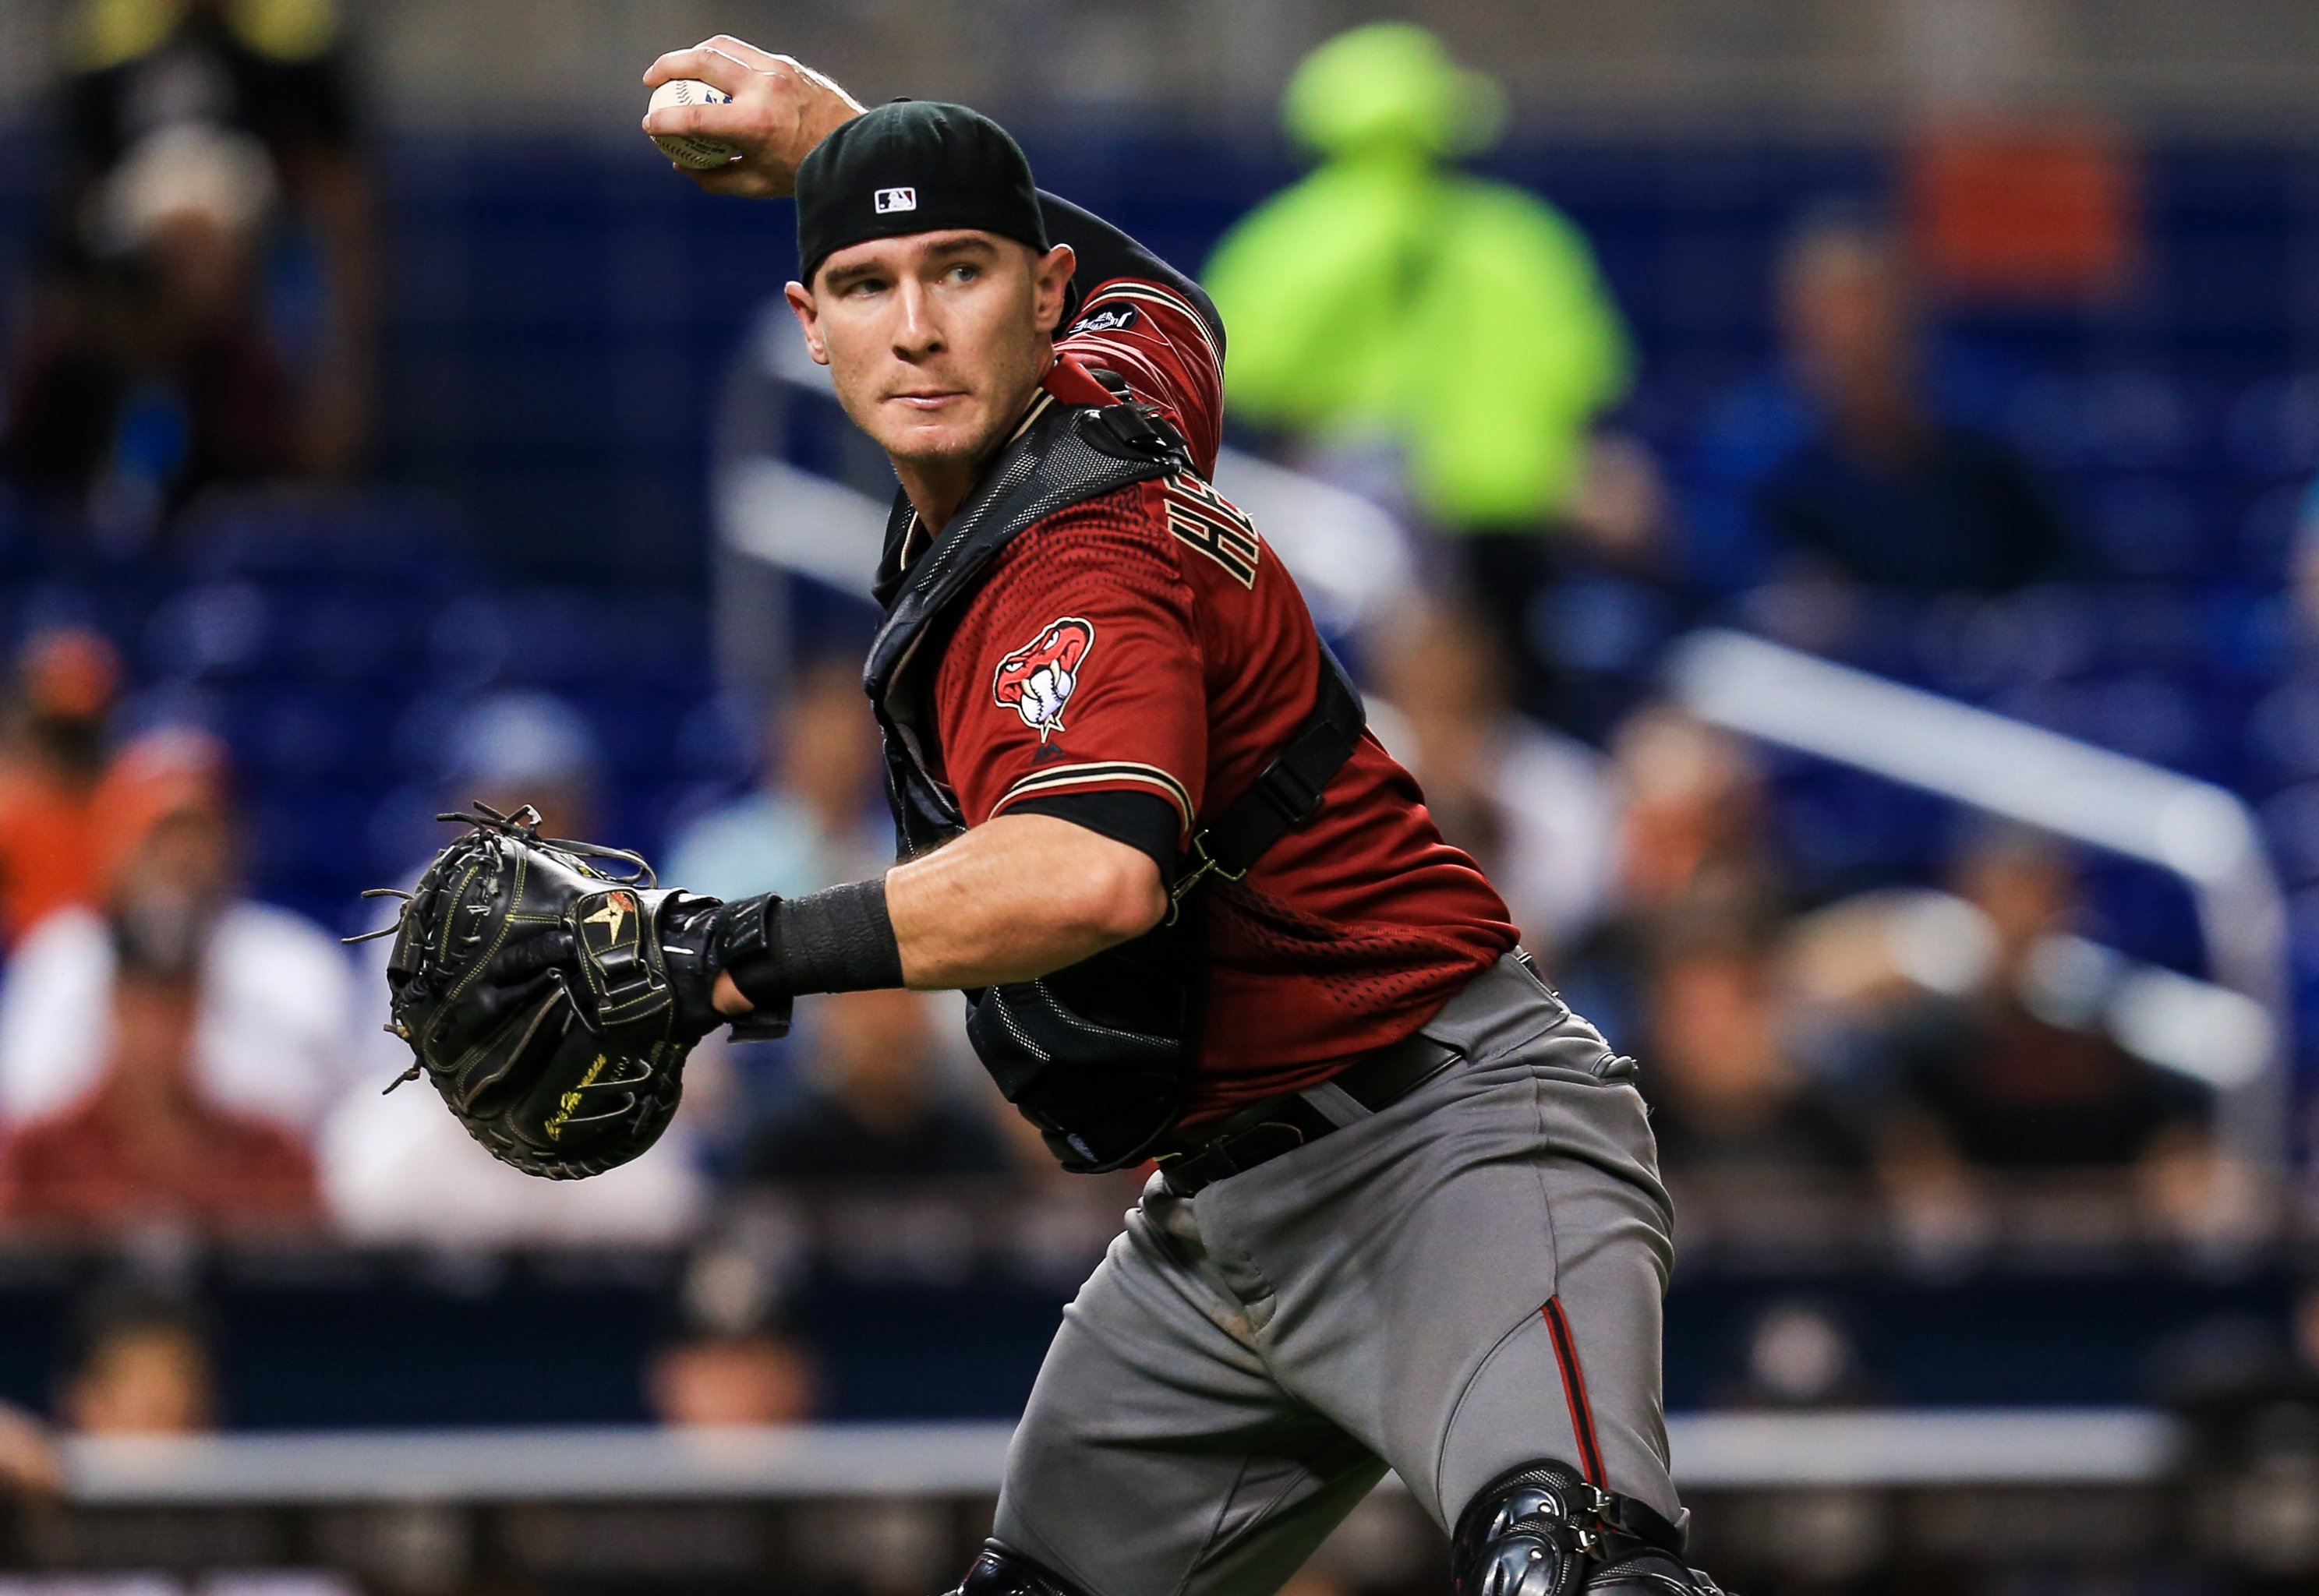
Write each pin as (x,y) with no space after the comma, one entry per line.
(935,341)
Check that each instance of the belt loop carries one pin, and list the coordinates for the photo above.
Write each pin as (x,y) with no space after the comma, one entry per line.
(1337,1106)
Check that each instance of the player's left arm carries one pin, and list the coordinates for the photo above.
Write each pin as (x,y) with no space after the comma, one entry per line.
(1015,899)
(1072,716)
(1018,896)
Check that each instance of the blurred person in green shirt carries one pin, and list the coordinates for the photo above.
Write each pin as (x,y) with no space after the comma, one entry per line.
(1391,297)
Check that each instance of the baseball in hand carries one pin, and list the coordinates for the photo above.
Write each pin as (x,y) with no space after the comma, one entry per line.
(686,151)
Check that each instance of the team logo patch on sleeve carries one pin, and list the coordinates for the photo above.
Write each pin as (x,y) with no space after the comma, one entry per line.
(1038,679)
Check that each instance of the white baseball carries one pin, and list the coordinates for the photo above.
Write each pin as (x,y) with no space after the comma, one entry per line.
(686,151)
(1047,689)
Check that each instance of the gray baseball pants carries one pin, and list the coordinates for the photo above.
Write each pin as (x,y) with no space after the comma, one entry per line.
(1467,1280)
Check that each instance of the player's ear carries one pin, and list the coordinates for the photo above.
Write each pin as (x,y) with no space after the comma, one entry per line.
(801,306)
(1051,275)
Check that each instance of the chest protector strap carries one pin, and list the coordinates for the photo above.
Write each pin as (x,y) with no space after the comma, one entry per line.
(1098,1056)
(1286,793)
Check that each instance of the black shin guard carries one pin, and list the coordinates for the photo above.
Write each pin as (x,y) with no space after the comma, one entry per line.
(1540,1529)
(1001,1572)
(1642,1555)
(1646,1571)
(1529,1532)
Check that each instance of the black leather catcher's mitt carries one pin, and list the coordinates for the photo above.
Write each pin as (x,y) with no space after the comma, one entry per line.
(551,1001)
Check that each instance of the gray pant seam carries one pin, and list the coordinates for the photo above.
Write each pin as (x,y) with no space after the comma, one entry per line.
(1449,1428)
(1214,1545)
(1208,1542)
(1554,1273)
(1258,1344)
(1051,1558)
(1545,1197)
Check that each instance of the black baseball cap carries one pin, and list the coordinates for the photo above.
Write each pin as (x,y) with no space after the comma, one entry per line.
(913,167)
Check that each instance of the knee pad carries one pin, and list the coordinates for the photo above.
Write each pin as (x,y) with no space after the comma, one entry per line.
(1541,1529)
(1000,1570)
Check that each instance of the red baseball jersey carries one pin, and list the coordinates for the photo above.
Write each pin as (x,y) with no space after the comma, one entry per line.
(1148,642)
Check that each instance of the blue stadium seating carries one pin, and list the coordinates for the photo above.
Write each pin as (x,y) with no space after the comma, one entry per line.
(563,313)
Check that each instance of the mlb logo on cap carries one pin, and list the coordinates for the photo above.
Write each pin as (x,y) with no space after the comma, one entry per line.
(897,199)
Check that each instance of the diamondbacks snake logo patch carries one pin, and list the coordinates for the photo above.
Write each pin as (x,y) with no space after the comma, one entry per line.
(1038,679)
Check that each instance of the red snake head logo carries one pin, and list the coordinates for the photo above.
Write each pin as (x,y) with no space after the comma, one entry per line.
(1038,679)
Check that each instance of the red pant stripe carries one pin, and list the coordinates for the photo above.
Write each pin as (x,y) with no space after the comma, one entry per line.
(1574,1387)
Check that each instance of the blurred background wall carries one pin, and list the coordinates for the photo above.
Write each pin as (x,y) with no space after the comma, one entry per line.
(1941,1096)
(562,316)
(1823,67)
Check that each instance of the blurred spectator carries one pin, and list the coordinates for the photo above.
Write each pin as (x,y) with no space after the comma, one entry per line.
(397,1166)
(524,746)
(1690,841)
(1885,490)
(1531,805)
(757,1377)
(1799,1355)
(1861,960)
(2014,1075)
(144,1368)
(154,376)
(150,371)
(1726,1095)
(733,1363)
(1693,822)
(270,1001)
(30,1466)
(874,1107)
(147,1146)
(817,819)
(54,755)
(1388,296)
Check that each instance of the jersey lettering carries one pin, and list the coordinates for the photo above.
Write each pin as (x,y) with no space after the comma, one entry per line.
(1214,525)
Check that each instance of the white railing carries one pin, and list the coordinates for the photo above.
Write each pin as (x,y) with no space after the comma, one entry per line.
(1939,1448)
(2192,830)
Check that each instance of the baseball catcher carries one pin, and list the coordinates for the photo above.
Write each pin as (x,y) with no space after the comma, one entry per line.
(1406,1210)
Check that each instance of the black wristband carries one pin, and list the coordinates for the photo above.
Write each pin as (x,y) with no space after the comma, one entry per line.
(688,929)
(837,940)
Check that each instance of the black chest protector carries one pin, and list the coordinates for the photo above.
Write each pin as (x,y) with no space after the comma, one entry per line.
(1098,1056)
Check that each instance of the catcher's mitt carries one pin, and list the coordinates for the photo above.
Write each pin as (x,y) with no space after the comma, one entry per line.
(551,1002)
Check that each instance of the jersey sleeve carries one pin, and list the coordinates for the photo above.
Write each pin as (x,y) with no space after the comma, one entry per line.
(1142,318)
(1075,682)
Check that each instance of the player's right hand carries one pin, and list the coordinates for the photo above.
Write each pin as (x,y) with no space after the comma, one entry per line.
(780,110)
